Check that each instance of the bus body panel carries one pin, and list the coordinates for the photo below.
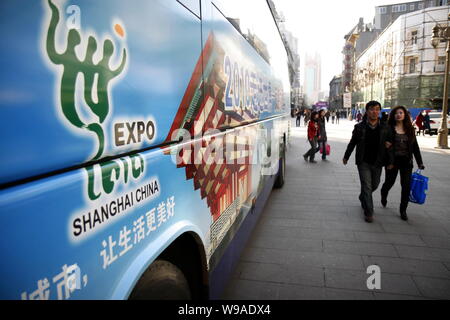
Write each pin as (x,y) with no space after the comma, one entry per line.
(86,107)
(91,231)
(51,228)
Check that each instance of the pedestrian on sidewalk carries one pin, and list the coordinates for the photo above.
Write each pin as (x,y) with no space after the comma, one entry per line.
(384,117)
(306,116)
(298,115)
(337,117)
(426,123)
(359,117)
(322,134)
(404,147)
(419,124)
(313,136)
(369,137)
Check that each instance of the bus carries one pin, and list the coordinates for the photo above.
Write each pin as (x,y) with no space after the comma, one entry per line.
(140,141)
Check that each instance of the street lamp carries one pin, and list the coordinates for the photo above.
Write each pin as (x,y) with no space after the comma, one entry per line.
(443,33)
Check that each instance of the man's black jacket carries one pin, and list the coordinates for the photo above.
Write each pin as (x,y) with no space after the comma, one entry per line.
(384,156)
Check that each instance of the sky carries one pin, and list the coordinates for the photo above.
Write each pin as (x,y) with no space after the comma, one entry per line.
(320,26)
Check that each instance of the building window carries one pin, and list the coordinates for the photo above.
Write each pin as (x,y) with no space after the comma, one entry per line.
(382,10)
(431,3)
(414,37)
(411,7)
(399,8)
(420,6)
(440,65)
(412,65)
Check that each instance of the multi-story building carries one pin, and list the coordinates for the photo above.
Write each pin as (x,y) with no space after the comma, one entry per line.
(312,78)
(384,15)
(291,45)
(336,93)
(357,40)
(402,67)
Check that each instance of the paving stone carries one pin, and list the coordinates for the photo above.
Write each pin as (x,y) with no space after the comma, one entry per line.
(283,222)
(434,288)
(361,248)
(342,294)
(409,229)
(262,255)
(323,259)
(353,226)
(423,253)
(251,290)
(437,242)
(296,292)
(287,274)
(357,280)
(282,243)
(308,233)
(447,264)
(408,266)
(392,238)
(389,296)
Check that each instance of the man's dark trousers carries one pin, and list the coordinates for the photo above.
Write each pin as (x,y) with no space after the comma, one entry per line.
(369,175)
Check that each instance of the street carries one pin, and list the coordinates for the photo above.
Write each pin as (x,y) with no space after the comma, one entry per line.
(313,243)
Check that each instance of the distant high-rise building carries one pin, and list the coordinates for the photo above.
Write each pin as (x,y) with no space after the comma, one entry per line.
(312,78)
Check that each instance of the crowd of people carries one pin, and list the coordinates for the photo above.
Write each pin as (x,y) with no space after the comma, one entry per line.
(388,141)
(306,115)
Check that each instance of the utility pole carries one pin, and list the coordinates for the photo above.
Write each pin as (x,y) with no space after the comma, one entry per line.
(443,33)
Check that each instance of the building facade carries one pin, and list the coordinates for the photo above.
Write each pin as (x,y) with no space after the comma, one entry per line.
(312,78)
(336,93)
(402,67)
(384,15)
(291,45)
(356,41)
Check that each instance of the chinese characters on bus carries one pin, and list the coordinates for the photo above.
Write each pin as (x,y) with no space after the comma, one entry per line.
(129,236)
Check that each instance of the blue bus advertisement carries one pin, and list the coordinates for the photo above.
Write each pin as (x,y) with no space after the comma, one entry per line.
(140,140)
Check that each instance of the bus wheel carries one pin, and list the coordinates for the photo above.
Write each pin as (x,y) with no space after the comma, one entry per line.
(162,281)
(279,182)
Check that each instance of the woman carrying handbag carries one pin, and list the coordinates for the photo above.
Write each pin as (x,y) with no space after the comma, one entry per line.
(404,147)
(313,136)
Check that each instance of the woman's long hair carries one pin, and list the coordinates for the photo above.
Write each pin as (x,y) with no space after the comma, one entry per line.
(313,114)
(407,124)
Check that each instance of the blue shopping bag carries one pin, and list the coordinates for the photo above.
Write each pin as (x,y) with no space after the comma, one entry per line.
(419,186)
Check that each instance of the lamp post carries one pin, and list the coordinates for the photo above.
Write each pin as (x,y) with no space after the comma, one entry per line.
(443,33)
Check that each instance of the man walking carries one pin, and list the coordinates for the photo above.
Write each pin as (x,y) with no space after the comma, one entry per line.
(369,137)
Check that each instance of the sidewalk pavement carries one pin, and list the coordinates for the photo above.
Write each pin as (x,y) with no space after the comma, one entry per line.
(313,243)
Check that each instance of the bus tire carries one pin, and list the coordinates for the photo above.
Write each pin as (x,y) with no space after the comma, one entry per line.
(279,182)
(162,281)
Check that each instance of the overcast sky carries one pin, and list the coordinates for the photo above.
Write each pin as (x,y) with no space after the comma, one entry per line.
(320,25)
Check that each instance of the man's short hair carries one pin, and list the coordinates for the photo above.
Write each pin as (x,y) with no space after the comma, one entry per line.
(371,104)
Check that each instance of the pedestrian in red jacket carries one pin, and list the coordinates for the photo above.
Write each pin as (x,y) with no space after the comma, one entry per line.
(313,137)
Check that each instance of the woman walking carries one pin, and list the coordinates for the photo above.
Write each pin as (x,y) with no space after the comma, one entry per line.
(313,136)
(322,134)
(404,147)
(419,123)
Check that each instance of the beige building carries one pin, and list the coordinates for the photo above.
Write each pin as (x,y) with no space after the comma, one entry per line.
(401,67)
